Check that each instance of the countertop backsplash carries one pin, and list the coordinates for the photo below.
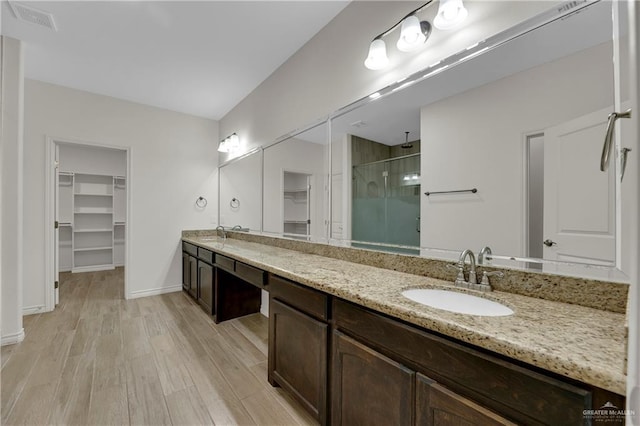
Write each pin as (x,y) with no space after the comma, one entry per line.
(603,295)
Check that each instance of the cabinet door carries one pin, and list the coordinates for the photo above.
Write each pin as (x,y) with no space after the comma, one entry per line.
(193,277)
(438,406)
(205,284)
(367,387)
(298,356)
(186,272)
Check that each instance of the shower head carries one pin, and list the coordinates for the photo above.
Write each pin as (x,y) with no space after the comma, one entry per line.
(406,144)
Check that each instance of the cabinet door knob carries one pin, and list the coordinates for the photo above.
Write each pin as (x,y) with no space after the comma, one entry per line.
(549,243)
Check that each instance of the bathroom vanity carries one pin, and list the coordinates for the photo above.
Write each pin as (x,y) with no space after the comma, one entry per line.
(346,343)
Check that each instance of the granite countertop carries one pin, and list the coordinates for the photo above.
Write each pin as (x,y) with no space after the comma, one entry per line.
(578,342)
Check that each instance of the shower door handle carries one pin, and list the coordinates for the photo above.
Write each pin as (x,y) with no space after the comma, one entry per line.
(608,138)
(418,224)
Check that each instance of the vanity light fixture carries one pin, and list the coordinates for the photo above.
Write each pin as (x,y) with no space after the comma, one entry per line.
(451,13)
(229,144)
(415,32)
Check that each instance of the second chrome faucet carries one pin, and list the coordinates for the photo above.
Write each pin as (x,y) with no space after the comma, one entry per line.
(472,281)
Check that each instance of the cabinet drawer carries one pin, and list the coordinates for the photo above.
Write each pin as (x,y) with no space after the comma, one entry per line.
(250,274)
(205,255)
(505,387)
(190,248)
(303,298)
(225,262)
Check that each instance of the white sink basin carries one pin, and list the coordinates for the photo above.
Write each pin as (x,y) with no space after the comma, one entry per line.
(461,303)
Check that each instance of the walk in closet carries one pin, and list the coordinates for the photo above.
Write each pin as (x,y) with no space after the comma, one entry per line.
(91,208)
(297,216)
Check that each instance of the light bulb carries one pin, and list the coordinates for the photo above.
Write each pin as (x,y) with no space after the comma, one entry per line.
(234,142)
(410,29)
(377,58)
(413,34)
(451,13)
(223,146)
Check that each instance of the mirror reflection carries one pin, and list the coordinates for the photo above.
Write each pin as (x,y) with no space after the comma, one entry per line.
(240,192)
(294,195)
(523,124)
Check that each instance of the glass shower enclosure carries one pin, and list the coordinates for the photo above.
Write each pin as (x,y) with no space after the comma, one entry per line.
(386,204)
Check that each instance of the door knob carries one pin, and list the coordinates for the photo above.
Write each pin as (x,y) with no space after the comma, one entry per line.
(549,243)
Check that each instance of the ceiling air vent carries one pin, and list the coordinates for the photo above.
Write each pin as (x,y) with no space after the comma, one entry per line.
(33,15)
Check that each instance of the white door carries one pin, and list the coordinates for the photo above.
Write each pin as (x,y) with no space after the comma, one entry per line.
(579,207)
(56,233)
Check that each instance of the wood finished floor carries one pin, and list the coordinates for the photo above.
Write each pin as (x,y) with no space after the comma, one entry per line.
(99,359)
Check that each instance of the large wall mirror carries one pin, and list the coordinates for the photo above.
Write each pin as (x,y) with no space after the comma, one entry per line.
(501,150)
(295,195)
(496,146)
(240,192)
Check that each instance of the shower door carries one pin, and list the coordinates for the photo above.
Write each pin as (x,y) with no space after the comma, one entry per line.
(386,203)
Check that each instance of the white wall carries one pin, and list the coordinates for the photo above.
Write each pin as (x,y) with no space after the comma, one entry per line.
(473,142)
(92,160)
(12,190)
(294,155)
(173,161)
(328,73)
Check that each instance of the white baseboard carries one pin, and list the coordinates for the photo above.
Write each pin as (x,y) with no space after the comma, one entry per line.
(154,291)
(12,339)
(30,310)
(95,268)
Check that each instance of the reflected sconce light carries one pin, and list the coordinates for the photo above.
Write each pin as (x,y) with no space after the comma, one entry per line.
(377,58)
(451,13)
(229,144)
(414,32)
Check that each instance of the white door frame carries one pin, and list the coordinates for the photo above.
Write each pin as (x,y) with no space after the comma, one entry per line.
(526,158)
(49,237)
(633,313)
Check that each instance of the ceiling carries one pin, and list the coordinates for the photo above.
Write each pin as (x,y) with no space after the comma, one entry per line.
(200,58)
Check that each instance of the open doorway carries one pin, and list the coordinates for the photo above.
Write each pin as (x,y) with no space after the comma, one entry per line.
(297,204)
(88,208)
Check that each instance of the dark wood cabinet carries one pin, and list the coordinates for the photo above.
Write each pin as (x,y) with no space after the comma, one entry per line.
(193,277)
(438,406)
(467,378)
(369,388)
(190,269)
(298,356)
(372,389)
(211,279)
(206,286)
(186,272)
(350,365)
(298,343)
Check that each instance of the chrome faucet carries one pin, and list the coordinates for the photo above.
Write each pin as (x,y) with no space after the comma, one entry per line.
(472,269)
(221,232)
(472,282)
(240,228)
(485,253)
